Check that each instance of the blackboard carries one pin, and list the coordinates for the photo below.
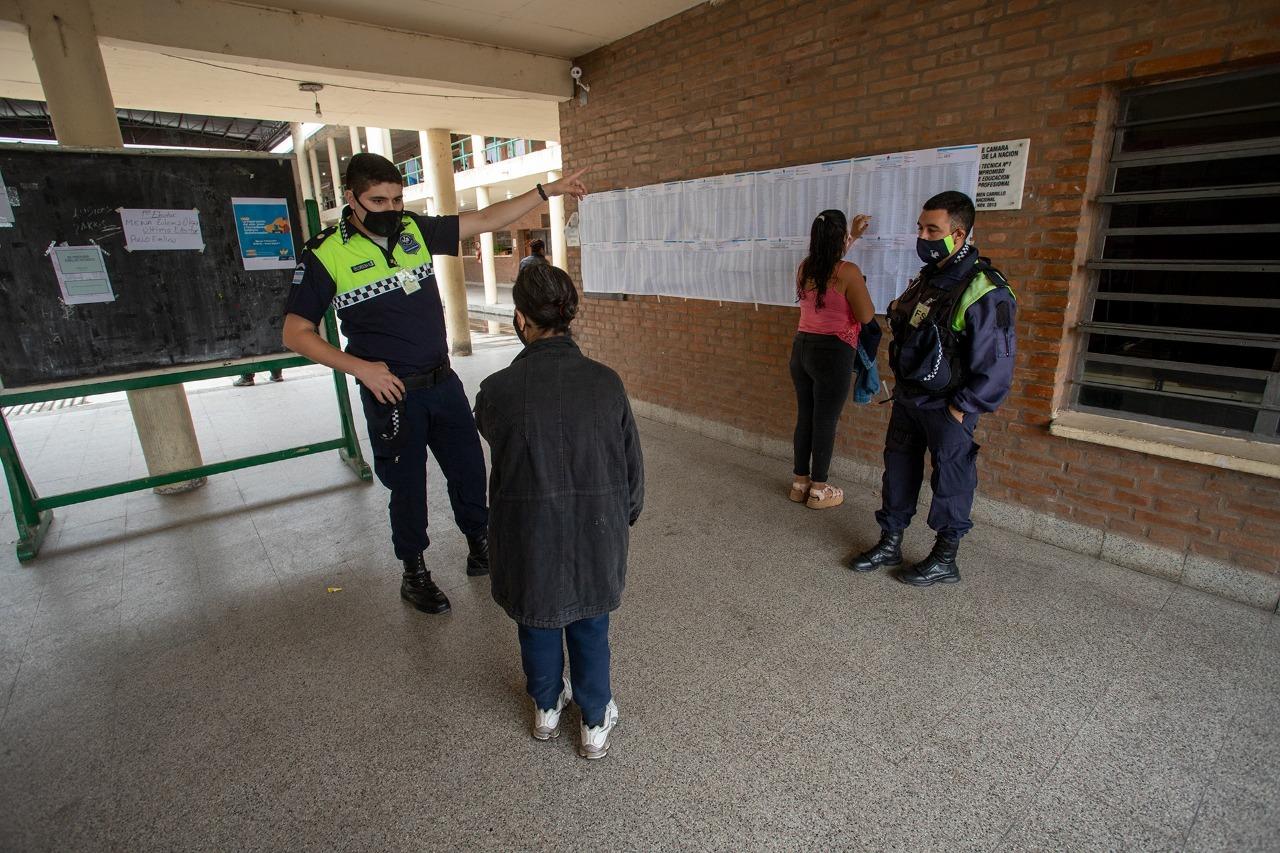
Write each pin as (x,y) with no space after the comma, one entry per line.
(172,308)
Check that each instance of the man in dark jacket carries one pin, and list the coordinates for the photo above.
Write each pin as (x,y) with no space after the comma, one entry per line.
(566,483)
(952,357)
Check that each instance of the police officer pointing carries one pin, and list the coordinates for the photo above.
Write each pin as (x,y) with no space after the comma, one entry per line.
(375,268)
(952,355)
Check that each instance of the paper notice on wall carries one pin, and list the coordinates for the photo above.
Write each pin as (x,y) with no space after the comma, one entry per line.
(6,209)
(1001,174)
(153,230)
(262,227)
(82,274)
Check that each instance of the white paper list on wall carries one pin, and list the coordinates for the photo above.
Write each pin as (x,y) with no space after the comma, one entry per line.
(740,237)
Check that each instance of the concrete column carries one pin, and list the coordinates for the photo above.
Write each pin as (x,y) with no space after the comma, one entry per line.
(335,171)
(388,150)
(373,138)
(304,174)
(559,246)
(316,183)
(438,162)
(355,140)
(486,253)
(477,151)
(64,43)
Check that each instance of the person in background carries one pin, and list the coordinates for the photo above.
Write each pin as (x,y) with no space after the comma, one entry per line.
(834,303)
(537,255)
(246,379)
(566,484)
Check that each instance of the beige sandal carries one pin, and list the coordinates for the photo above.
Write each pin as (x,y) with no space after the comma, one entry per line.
(825,498)
(799,491)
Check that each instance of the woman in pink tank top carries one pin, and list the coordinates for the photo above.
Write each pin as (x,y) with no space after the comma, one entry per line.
(834,303)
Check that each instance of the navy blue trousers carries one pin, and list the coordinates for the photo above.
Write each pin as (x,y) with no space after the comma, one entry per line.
(438,419)
(542,654)
(953,454)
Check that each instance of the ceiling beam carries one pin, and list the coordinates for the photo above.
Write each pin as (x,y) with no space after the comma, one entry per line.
(276,38)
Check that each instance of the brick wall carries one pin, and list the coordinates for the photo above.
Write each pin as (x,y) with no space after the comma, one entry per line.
(757,84)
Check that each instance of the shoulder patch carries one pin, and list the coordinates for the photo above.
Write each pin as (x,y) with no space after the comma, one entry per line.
(299,272)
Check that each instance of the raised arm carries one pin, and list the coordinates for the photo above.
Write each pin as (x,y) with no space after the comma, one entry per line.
(499,215)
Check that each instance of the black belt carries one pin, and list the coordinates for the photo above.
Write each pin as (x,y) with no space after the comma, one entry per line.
(429,379)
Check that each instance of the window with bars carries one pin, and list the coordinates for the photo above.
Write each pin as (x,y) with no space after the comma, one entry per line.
(1183,326)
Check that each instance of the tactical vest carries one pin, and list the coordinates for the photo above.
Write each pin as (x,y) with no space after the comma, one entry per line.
(923,304)
(360,274)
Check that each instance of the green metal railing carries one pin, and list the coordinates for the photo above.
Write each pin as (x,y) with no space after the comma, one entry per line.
(33,514)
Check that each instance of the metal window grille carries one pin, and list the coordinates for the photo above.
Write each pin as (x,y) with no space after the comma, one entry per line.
(1183,320)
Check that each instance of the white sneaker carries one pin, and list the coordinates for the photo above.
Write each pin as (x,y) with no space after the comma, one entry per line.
(546,724)
(595,739)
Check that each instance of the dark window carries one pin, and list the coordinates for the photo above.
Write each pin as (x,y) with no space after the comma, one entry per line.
(1185,276)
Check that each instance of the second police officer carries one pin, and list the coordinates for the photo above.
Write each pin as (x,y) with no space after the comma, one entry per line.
(952,356)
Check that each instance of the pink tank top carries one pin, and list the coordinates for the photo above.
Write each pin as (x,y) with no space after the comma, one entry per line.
(835,317)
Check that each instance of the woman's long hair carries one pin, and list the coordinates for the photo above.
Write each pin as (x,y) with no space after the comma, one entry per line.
(826,248)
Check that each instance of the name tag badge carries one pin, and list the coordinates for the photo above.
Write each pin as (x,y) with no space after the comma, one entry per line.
(918,315)
(409,282)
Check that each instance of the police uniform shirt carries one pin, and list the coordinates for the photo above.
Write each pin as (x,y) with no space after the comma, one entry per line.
(402,326)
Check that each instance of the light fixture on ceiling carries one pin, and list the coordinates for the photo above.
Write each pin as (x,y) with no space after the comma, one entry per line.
(510,194)
(314,89)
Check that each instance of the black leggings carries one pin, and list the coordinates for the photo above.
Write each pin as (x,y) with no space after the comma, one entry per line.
(822,370)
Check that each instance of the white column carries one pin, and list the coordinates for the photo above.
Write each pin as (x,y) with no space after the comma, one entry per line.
(316,183)
(388,150)
(64,44)
(559,246)
(335,171)
(438,160)
(373,138)
(355,140)
(486,253)
(477,151)
(304,173)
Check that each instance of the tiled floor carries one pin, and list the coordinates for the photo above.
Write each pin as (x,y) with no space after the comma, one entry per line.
(174,674)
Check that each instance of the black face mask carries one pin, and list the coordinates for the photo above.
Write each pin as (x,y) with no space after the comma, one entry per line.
(382,223)
(934,251)
(515,324)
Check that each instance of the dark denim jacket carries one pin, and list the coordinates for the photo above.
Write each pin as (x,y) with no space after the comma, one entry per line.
(566,484)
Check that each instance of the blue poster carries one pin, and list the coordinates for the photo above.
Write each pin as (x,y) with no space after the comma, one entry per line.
(266,238)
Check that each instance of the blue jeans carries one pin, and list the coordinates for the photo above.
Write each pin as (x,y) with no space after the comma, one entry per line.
(542,654)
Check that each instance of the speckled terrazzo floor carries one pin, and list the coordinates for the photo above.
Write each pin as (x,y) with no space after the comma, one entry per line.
(175,676)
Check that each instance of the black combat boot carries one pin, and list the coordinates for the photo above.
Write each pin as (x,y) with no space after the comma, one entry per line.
(939,567)
(418,589)
(887,552)
(478,555)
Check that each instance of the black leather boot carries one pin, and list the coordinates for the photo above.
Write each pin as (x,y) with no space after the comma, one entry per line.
(887,552)
(939,567)
(478,556)
(418,589)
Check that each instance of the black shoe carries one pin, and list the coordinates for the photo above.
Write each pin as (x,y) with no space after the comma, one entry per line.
(887,552)
(478,556)
(939,567)
(277,376)
(418,589)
